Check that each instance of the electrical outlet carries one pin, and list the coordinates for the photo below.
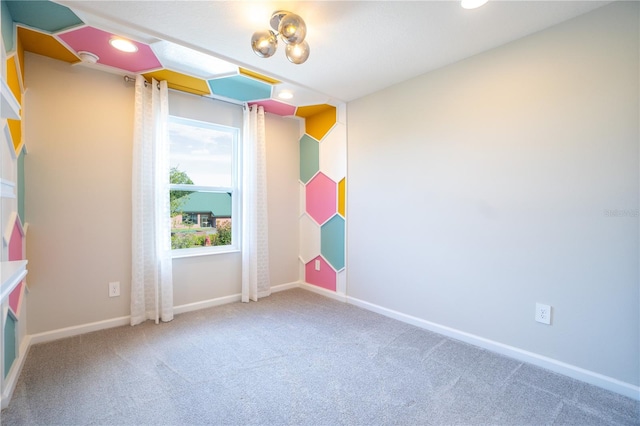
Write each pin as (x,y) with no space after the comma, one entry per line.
(114,289)
(543,313)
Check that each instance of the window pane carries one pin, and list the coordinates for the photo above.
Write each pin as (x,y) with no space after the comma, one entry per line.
(202,152)
(200,219)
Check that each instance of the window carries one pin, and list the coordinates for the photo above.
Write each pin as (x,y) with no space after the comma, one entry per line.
(203,193)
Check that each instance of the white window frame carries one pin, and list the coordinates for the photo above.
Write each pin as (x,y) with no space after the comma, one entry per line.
(234,190)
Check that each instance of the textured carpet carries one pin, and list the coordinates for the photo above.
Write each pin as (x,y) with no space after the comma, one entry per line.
(293,358)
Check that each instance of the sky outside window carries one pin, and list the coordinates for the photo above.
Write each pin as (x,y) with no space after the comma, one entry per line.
(204,153)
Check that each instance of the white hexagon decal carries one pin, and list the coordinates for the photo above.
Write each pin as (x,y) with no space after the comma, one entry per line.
(309,239)
(303,199)
(333,153)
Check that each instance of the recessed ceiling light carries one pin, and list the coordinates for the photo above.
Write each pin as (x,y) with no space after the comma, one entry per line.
(472,4)
(285,94)
(123,45)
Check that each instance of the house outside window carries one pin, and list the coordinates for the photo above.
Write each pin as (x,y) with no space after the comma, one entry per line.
(203,194)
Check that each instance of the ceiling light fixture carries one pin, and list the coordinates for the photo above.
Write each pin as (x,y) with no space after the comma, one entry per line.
(285,94)
(88,57)
(472,4)
(291,29)
(123,45)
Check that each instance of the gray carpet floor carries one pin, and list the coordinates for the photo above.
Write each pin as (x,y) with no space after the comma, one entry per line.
(294,358)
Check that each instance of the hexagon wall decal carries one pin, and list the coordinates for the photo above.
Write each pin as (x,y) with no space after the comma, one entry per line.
(179,81)
(333,153)
(96,41)
(15,130)
(240,88)
(276,107)
(321,198)
(9,342)
(13,81)
(302,198)
(15,238)
(15,299)
(309,239)
(45,15)
(7,28)
(309,110)
(342,197)
(309,158)
(332,242)
(319,119)
(318,272)
(258,76)
(45,45)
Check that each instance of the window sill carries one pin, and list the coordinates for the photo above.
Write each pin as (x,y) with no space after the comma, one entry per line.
(198,252)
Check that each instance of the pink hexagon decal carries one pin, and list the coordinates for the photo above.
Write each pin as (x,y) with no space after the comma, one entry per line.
(96,41)
(276,107)
(319,272)
(321,199)
(16,252)
(16,242)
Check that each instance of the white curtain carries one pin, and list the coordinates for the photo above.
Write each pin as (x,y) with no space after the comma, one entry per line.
(255,243)
(151,281)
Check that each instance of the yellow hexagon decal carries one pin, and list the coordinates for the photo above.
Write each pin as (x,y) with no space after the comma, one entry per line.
(45,45)
(319,119)
(179,81)
(13,81)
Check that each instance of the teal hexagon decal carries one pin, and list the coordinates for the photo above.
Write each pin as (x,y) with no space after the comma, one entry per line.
(309,158)
(332,237)
(44,15)
(241,88)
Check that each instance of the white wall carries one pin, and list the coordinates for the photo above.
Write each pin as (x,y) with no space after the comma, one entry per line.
(481,188)
(79,127)
(283,157)
(78,130)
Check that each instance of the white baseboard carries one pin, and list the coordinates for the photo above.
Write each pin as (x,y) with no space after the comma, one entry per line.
(61,333)
(204,304)
(283,287)
(323,291)
(229,299)
(554,365)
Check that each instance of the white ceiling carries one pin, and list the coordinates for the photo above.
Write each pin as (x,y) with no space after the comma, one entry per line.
(357,47)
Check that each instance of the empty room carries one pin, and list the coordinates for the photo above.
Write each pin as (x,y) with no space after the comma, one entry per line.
(320,212)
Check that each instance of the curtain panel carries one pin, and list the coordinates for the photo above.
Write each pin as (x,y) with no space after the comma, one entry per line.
(151,281)
(255,243)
